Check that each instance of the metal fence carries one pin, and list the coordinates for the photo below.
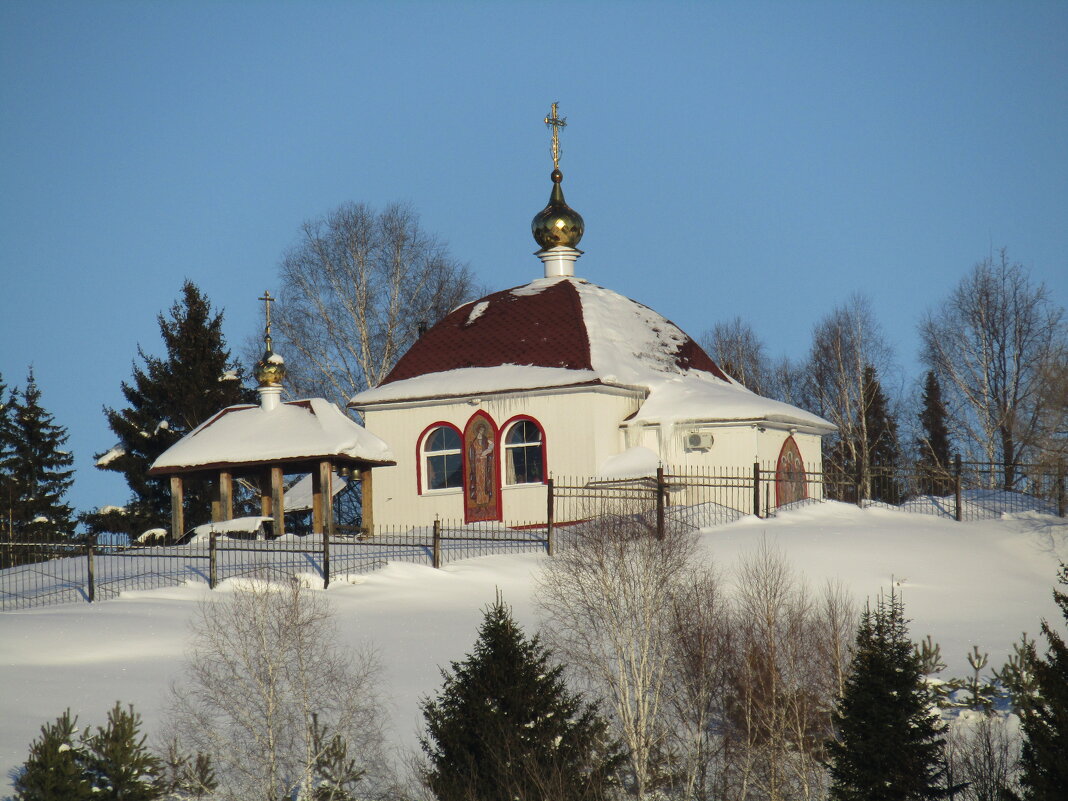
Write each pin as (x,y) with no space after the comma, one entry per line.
(43,573)
(40,573)
(962,491)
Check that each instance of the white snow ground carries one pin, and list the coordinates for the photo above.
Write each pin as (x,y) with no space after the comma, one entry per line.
(964,583)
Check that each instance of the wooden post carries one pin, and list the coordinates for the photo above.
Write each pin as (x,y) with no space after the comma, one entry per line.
(326,479)
(326,514)
(226,495)
(265,494)
(212,562)
(756,488)
(317,499)
(959,512)
(278,501)
(177,509)
(549,517)
(661,489)
(367,501)
(216,507)
(437,543)
(90,589)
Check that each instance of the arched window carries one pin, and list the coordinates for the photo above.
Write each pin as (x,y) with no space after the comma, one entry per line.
(524,454)
(442,459)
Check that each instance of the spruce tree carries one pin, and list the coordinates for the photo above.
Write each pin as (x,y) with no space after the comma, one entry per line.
(505,726)
(111,765)
(167,399)
(7,466)
(888,745)
(1044,714)
(882,446)
(53,771)
(117,764)
(37,470)
(933,441)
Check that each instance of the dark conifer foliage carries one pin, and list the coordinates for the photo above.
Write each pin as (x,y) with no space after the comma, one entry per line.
(168,398)
(7,443)
(117,763)
(882,444)
(1044,714)
(53,771)
(933,441)
(37,470)
(110,765)
(505,726)
(888,746)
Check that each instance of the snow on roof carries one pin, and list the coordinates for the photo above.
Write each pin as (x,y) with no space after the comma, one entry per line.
(474,380)
(299,496)
(237,525)
(565,331)
(304,429)
(692,398)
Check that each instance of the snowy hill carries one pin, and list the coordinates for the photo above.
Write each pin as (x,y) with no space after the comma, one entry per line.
(971,583)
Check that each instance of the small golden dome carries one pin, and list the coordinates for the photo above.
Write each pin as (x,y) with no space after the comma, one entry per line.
(557,224)
(271,368)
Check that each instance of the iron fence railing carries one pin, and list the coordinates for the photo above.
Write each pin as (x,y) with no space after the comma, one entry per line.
(67,570)
(43,573)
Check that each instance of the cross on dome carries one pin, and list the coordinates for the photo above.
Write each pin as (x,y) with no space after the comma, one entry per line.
(557,226)
(271,369)
(555,123)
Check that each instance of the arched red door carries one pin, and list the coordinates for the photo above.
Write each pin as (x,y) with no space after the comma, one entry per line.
(790,480)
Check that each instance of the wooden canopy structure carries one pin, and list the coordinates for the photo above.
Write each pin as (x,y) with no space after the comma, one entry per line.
(265,443)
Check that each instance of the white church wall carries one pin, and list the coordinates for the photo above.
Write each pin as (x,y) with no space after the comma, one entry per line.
(580,426)
(726,449)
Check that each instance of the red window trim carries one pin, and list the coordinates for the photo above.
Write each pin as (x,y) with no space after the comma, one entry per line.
(505,426)
(419,455)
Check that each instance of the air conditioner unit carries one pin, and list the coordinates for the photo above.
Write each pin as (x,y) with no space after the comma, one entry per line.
(699,441)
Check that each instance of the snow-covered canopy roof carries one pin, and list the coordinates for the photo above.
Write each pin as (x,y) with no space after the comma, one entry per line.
(564,331)
(295,431)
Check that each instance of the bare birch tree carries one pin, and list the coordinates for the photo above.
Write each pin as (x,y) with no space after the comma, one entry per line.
(989,343)
(844,344)
(983,754)
(1053,420)
(737,349)
(355,289)
(790,661)
(608,597)
(702,658)
(270,696)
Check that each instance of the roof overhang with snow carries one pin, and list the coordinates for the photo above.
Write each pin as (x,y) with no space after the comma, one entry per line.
(296,433)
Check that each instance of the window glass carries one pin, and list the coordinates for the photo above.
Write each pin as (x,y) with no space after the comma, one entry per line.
(444,464)
(523,454)
(443,439)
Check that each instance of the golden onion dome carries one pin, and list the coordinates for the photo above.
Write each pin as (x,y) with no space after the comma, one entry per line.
(271,368)
(557,224)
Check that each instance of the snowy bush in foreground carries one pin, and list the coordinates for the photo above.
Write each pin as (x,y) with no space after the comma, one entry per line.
(276,702)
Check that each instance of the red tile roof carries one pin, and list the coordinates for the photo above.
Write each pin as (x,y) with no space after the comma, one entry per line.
(541,327)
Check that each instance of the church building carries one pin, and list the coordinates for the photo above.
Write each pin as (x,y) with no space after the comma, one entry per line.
(562,377)
(558,377)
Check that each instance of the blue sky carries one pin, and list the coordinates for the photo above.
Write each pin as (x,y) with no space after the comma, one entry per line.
(755,159)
